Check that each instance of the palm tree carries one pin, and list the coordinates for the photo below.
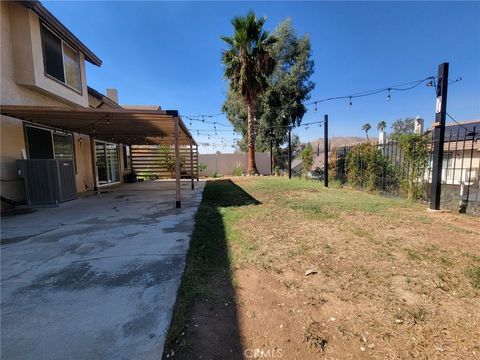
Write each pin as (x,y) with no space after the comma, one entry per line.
(382,125)
(366,127)
(248,63)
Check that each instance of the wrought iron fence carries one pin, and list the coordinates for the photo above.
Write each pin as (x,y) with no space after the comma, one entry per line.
(382,167)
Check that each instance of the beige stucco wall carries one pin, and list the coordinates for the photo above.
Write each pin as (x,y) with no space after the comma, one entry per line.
(12,143)
(23,80)
(84,175)
(23,83)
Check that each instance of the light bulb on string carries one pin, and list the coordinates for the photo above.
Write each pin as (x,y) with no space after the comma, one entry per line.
(315,106)
(388,96)
(350,103)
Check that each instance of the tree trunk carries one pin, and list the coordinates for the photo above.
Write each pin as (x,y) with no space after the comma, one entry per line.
(251,165)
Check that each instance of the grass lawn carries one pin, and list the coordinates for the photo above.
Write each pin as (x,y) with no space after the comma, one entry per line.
(389,280)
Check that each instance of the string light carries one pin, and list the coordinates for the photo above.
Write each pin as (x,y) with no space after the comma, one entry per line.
(315,106)
(388,96)
(350,103)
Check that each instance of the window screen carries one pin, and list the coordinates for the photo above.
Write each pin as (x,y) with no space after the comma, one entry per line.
(53,57)
(39,143)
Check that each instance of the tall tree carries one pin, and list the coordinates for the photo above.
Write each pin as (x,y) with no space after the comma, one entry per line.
(281,104)
(366,127)
(248,63)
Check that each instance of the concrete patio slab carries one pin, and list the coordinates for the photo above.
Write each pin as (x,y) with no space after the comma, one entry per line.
(95,278)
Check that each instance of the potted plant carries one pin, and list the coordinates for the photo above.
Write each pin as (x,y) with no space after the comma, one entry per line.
(132,177)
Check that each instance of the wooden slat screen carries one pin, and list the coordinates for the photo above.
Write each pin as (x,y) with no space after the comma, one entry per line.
(149,161)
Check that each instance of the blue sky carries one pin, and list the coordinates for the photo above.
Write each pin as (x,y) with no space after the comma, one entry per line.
(168,54)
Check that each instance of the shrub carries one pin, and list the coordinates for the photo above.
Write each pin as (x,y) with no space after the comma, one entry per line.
(366,167)
(415,157)
(307,158)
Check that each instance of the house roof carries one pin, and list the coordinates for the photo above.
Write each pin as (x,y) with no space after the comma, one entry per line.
(142,107)
(135,127)
(54,23)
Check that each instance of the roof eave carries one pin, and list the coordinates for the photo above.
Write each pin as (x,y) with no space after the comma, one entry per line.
(52,21)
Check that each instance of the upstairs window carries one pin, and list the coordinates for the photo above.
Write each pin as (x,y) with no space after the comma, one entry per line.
(61,60)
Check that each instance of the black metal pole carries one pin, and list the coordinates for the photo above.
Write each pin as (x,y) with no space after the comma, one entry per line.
(325,150)
(289,153)
(439,136)
(271,156)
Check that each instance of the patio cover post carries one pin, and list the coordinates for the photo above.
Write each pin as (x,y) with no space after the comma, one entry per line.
(94,163)
(177,165)
(191,163)
(196,156)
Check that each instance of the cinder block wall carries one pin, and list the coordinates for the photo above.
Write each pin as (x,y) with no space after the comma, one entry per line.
(226,164)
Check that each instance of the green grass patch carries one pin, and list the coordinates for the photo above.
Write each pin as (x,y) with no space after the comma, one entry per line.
(208,260)
(473,274)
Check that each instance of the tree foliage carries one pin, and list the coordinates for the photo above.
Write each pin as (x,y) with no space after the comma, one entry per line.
(366,127)
(307,158)
(281,103)
(382,125)
(403,126)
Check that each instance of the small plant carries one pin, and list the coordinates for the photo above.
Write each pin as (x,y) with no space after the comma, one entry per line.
(167,160)
(238,170)
(201,168)
(216,174)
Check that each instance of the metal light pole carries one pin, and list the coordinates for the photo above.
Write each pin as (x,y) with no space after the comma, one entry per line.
(439,136)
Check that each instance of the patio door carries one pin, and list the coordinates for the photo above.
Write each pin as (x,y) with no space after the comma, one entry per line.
(108,169)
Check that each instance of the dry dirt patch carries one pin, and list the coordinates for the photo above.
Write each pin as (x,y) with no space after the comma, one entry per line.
(391,281)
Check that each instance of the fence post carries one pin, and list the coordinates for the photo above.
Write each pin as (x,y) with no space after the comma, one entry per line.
(325,150)
(439,136)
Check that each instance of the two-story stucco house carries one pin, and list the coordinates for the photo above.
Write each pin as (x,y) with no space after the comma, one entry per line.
(49,112)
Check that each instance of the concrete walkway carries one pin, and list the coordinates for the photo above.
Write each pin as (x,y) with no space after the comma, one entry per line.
(95,278)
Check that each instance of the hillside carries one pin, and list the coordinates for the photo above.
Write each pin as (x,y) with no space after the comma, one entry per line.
(338,141)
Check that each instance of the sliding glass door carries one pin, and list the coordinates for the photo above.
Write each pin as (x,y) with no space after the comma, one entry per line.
(108,169)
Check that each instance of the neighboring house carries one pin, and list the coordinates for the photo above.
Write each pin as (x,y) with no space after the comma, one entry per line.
(49,112)
(461,153)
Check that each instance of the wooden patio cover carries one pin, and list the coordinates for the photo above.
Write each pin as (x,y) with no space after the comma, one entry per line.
(134,127)
(124,126)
